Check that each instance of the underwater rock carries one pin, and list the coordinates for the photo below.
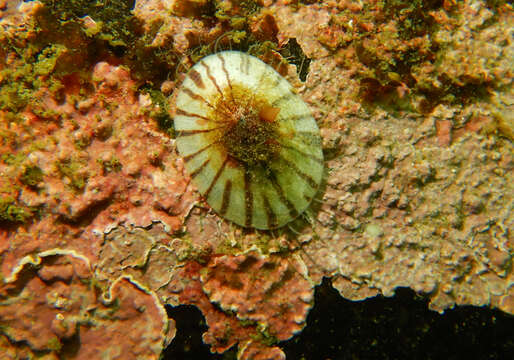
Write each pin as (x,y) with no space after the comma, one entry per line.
(417,189)
(54,308)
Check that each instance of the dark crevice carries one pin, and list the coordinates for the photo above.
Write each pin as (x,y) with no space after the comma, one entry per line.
(188,344)
(294,54)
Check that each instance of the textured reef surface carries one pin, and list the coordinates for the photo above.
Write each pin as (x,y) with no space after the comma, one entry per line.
(101,227)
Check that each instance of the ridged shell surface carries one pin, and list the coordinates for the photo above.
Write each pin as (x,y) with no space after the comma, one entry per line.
(249,142)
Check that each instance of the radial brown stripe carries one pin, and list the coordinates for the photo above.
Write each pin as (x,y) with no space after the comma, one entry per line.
(197,78)
(314,138)
(195,96)
(199,169)
(289,95)
(307,133)
(226,197)
(241,64)
(190,156)
(310,156)
(281,195)
(216,177)
(271,217)
(246,65)
(308,179)
(197,131)
(248,199)
(224,68)
(212,78)
(298,117)
(264,74)
(277,81)
(179,111)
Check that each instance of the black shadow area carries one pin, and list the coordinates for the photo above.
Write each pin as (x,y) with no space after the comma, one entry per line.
(187,344)
(401,327)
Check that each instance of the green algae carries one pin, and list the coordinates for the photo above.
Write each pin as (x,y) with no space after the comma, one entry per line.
(32,176)
(13,159)
(115,22)
(82,141)
(115,31)
(413,16)
(41,62)
(264,336)
(54,344)
(235,12)
(17,88)
(404,49)
(47,59)
(161,116)
(11,211)
(235,19)
(71,170)
(111,165)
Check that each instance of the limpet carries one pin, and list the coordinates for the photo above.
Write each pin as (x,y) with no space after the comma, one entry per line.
(249,142)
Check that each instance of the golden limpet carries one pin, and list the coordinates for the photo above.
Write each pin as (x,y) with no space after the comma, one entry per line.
(249,142)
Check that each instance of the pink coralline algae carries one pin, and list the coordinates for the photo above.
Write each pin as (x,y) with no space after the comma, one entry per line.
(53,298)
(255,286)
(248,299)
(261,317)
(101,226)
(90,163)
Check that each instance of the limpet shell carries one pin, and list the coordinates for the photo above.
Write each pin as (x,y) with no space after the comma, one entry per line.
(249,142)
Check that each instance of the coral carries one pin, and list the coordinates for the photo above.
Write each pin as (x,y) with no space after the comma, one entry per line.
(147,256)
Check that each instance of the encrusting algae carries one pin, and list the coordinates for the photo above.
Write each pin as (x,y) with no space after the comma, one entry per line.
(118,118)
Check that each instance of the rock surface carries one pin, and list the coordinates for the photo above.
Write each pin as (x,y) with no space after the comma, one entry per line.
(99,220)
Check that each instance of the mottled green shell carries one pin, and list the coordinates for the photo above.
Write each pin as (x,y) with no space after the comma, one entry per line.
(249,142)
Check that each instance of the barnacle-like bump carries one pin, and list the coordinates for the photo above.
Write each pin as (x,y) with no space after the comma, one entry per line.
(249,142)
